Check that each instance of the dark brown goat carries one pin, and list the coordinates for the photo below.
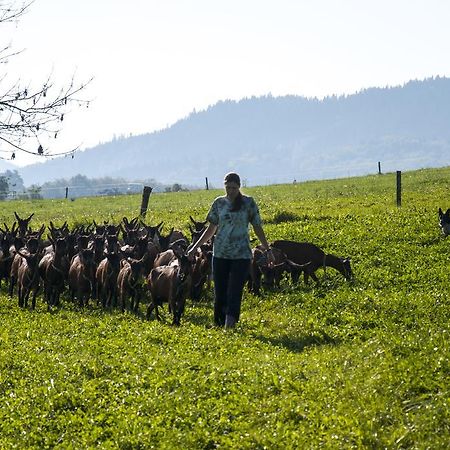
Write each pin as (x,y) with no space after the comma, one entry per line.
(201,270)
(170,284)
(198,226)
(23,224)
(152,230)
(54,270)
(28,278)
(106,278)
(444,221)
(129,283)
(271,274)
(28,247)
(175,250)
(81,276)
(6,254)
(303,252)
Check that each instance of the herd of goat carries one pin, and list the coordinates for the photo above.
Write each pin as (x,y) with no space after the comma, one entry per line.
(115,264)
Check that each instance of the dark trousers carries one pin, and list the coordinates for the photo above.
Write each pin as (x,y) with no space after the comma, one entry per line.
(229,277)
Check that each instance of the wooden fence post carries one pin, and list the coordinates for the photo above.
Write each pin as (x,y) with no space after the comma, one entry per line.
(145,197)
(207,186)
(379,168)
(399,188)
(67,192)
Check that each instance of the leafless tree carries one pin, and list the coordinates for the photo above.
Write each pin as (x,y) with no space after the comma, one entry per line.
(28,114)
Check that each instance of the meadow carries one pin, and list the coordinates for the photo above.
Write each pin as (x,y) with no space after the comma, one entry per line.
(340,365)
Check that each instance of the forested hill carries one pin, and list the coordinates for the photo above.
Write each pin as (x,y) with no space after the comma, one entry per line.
(278,139)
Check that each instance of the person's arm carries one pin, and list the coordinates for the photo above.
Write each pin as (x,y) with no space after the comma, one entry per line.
(205,237)
(258,229)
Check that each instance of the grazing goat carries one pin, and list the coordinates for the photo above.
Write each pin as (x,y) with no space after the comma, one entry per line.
(272,274)
(170,284)
(303,252)
(444,221)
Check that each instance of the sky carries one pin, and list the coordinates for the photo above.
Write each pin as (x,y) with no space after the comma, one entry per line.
(154,62)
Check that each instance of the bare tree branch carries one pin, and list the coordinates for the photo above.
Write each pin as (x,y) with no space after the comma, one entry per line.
(11,10)
(28,114)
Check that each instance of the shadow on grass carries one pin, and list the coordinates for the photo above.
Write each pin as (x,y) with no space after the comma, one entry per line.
(298,344)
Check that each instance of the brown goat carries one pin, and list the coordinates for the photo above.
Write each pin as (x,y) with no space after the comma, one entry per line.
(201,270)
(170,284)
(166,257)
(54,270)
(81,276)
(6,255)
(303,252)
(129,283)
(106,277)
(23,224)
(28,278)
(28,247)
(271,274)
(444,221)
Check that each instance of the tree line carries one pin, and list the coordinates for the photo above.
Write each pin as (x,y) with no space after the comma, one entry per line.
(12,187)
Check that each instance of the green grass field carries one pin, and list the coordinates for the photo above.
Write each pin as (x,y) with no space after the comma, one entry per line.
(340,365)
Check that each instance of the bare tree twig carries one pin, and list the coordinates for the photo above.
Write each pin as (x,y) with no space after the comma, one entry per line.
(28,114)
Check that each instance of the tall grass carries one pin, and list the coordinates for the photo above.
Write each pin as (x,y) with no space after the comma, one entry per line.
(339,365)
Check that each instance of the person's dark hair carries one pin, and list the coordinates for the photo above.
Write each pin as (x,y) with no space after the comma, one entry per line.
(233,177)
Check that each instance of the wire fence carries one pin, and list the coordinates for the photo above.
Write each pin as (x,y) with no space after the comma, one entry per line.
(75,191)
(206,182)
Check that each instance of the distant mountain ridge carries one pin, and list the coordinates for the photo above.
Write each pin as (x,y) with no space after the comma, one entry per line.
(278,139)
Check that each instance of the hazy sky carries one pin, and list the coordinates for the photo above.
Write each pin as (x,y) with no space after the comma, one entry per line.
(154,62)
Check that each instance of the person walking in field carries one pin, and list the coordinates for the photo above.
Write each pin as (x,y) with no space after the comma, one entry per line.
(229,218)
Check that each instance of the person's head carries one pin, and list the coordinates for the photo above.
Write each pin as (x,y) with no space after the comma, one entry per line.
(232,184)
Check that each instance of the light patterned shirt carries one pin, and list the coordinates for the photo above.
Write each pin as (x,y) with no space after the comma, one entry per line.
(232,239)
